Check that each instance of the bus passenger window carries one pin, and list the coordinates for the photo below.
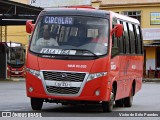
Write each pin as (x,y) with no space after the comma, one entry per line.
(138,40)
(126,38)
(115,48)
(121,42)
(131,37)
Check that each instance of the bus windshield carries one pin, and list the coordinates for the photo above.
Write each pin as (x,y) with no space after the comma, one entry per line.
(71,35)
(16,56)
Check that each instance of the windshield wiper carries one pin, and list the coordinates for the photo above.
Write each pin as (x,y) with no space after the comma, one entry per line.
(87,51)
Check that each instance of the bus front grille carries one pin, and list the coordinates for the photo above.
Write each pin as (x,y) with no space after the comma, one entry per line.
(54,79)
(63,76)
(63,90)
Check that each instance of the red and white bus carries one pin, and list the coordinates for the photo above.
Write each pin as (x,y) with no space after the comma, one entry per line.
(15,59)
(83,68)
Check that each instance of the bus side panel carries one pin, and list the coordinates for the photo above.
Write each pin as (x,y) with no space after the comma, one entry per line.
(114,75)
(140,74)
(131,70)
(124,75)
(137,68)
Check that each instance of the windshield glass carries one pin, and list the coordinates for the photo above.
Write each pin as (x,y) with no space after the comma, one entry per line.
(16,55)
(70,35)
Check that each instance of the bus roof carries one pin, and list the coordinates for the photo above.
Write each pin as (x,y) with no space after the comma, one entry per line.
(86,11)
(76,11)
(124,17)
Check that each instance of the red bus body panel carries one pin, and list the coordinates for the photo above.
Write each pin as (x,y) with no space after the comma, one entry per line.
(128,69)
(88,92)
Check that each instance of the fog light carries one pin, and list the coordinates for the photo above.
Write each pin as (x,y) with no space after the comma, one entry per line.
(97,92)
(30,89)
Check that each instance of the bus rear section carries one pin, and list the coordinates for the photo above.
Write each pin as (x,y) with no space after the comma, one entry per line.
(70,59)
(15,59)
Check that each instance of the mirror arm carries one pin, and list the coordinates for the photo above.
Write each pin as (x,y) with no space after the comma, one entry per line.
(114,30)
(32,27)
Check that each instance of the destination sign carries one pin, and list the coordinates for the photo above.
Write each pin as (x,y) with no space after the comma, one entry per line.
(57,51)
(14,44)
(58,20)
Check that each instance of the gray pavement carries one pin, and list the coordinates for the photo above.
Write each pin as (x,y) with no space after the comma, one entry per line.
(151,79)
(13,98)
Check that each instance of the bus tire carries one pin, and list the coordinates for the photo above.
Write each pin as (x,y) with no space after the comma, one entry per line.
(107,106)
(36,103)
(129,100)
(119,103)
(64,103)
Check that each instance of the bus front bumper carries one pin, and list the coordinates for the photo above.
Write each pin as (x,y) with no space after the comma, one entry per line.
(94,90)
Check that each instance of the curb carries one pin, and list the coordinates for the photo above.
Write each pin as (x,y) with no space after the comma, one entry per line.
(18,79)
(12,80)
(151,80)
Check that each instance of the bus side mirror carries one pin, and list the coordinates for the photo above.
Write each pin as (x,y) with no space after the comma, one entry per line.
(118,30)
(29,26)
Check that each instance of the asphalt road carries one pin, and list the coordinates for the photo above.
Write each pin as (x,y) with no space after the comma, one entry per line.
(13,98)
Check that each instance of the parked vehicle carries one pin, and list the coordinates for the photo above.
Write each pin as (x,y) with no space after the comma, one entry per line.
(15,59)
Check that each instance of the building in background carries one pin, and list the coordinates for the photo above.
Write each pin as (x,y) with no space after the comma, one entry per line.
(21,1)
(12,16)
(58,3)
(17,33)
(148,13)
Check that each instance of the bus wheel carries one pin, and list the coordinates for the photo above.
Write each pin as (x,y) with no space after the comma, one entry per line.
(108,106)
(129,100)
(36,103)
(119,103)
(64,103)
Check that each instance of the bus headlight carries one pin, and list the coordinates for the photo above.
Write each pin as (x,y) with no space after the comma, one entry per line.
(34,72)
(96,75)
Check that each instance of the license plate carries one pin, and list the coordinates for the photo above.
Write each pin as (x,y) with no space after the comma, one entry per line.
(16,72)
(62,84)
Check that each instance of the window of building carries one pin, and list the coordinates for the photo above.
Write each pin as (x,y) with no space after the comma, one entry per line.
(158,57)
(133,14)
